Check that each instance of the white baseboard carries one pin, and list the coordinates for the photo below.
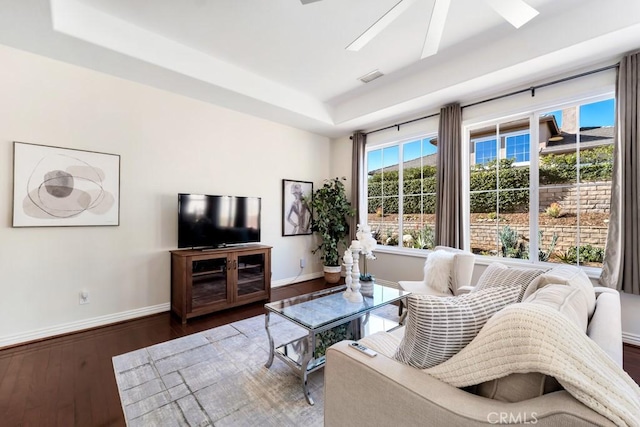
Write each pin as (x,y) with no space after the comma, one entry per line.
(629,338)
(80,325)
(300,278)
(66,328)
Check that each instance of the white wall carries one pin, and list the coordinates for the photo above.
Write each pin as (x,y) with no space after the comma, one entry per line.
(168,144)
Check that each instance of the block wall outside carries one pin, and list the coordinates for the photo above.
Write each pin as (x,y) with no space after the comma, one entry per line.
(595,197)
(485,236)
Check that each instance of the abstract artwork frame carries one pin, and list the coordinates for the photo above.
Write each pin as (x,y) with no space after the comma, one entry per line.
(296,213)
(64,187)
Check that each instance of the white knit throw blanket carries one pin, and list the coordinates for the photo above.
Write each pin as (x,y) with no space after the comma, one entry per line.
(535,338)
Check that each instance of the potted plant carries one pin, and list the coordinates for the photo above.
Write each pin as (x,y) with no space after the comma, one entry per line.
(331,210)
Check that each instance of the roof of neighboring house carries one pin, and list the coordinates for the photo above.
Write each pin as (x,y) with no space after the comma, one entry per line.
(429,160)
(590,137)
(516,125)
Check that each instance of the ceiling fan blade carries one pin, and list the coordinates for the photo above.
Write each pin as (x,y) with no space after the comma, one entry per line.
(308,1)
(436,27)
(380,25)
(517,12)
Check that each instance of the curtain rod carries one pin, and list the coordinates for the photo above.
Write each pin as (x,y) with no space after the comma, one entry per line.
(531,89)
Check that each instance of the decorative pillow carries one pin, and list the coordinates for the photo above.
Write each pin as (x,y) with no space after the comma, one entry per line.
(571,276)
(569,301)
(439,327)
(437,270)
(497,274)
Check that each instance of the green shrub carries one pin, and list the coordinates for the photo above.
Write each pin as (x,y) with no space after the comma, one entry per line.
(424,238)
(494,185)
(587,253)
(542,254)
(596,164)
(514,245)
(505,187)
(511,246)
(383,190)
(554,210)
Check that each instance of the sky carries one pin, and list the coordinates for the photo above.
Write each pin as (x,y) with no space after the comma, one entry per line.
(595,114)
(390,155)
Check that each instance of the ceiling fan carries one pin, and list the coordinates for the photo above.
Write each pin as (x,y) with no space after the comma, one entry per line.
(516,12)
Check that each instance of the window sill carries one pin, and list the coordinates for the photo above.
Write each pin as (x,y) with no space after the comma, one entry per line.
(397,250)
(592,272)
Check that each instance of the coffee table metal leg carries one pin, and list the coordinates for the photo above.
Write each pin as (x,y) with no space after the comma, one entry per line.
(306,358)
(271,347)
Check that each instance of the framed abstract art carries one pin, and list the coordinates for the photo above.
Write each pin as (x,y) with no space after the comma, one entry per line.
(61,187)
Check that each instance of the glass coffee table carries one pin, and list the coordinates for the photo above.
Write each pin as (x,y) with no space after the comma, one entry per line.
(318,312)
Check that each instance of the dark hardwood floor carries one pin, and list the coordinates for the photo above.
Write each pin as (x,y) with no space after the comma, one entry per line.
(69,381)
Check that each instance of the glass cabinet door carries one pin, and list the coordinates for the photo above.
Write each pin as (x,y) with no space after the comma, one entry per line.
(251,277)
(209,283)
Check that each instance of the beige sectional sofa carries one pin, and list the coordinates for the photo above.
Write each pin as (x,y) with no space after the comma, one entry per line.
(380,391)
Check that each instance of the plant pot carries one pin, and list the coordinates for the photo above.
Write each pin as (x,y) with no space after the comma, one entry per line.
(366,285)
(332,273)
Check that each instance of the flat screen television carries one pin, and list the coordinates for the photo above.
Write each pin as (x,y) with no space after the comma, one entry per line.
(206,221)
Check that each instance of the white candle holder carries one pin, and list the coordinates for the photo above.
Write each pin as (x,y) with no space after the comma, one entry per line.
(347,261)
(355,295)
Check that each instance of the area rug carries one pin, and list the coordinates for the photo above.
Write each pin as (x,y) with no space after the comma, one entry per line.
(217,377)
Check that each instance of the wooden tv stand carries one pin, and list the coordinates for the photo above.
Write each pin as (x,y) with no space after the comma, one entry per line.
(205,281)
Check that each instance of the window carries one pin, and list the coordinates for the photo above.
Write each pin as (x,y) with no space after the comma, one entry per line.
(401,200)
(576,167)
(562,216)
(485,151)
(518,147)
(499,194)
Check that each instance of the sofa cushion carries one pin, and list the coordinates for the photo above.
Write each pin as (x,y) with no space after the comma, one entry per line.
(517,387)
(570,301)
(384,342)
(497,274)
(439,327)
(571,276)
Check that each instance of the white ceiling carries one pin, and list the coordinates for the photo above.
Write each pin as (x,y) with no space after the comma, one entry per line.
(284,61)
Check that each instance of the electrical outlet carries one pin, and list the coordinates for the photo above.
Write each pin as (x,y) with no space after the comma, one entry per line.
(303,262)
(84,297)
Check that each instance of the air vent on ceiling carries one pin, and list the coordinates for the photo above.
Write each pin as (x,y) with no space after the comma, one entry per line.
(371,76)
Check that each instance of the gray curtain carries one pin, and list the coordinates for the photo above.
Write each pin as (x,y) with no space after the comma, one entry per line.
(449,181)
(621,265)
(359,140)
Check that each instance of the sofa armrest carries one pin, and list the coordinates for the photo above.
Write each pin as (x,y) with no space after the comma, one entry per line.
(465,289)
(605,326)
(379,391)
(603,290)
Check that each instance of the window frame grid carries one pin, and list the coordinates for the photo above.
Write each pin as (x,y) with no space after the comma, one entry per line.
(400,143)
(534,163)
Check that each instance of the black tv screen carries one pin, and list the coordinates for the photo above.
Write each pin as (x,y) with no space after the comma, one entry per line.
(206,221)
